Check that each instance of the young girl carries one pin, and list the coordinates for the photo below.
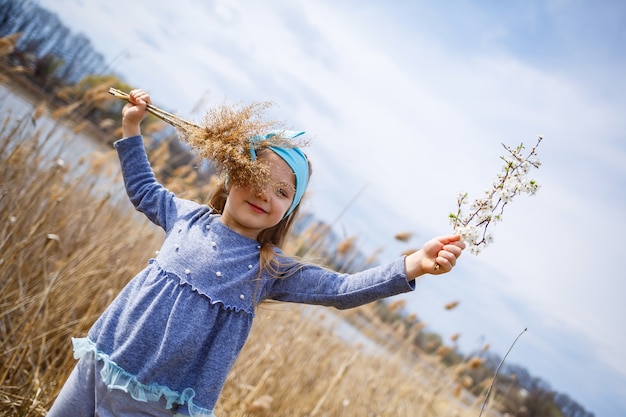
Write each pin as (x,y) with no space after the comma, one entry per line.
(167,342)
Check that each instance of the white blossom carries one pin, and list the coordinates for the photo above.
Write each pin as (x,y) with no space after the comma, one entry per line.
(510,181)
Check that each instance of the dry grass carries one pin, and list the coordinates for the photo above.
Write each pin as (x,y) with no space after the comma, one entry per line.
(66,249)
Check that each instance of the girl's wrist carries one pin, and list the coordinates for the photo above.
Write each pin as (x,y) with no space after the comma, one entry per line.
(413,265)
(130,129)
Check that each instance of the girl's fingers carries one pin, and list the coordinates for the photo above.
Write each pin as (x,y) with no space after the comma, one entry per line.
(450,239)
(139,97)
(446,261)
(454,249)
(447,256)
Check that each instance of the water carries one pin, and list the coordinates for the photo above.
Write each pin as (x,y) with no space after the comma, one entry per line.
(76,152)
(343,329)
(17,108)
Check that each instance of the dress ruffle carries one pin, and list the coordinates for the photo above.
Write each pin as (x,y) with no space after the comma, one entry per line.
(213,300)
(116,377)
(218,294)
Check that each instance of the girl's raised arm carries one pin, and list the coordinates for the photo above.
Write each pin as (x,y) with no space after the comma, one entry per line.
(145,192)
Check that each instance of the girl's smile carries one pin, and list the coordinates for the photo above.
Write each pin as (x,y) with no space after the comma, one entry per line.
(256,208)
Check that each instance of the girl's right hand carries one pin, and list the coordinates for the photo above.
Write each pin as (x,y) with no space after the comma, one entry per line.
(134,112)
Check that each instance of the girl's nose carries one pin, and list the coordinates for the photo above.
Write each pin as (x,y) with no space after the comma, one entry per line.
(261,193)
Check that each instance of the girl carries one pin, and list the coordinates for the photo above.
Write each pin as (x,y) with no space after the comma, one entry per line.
(167,342)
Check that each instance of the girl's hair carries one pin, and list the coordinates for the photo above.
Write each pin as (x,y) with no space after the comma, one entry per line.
(270,238)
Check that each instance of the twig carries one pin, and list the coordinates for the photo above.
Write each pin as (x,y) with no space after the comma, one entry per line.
(160,113)
(497,370)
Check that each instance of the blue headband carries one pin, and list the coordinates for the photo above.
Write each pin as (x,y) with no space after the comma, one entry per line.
(294,157)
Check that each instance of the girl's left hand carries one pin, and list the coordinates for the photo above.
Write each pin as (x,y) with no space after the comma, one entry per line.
(436,257)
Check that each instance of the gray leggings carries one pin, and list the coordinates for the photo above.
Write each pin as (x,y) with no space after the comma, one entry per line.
(85,395)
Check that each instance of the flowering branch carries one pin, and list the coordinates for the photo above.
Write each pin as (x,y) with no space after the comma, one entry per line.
(511,181)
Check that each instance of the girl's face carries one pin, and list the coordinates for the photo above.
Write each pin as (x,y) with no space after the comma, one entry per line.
(249,212)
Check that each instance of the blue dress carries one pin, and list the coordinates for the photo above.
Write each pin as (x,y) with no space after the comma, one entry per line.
(177,327)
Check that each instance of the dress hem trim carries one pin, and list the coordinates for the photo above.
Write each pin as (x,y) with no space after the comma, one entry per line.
(115,377)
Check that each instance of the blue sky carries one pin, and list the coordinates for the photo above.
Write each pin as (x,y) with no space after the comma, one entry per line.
(409,101)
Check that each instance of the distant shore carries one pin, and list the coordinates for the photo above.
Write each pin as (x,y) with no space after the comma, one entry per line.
(21,86)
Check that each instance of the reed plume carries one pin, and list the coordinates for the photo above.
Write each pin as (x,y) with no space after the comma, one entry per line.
(224,137)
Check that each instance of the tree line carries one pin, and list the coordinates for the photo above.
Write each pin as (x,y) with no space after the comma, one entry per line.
(54,54)
(518,393)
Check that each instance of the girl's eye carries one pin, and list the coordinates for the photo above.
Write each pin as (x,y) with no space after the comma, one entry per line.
(283,190)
